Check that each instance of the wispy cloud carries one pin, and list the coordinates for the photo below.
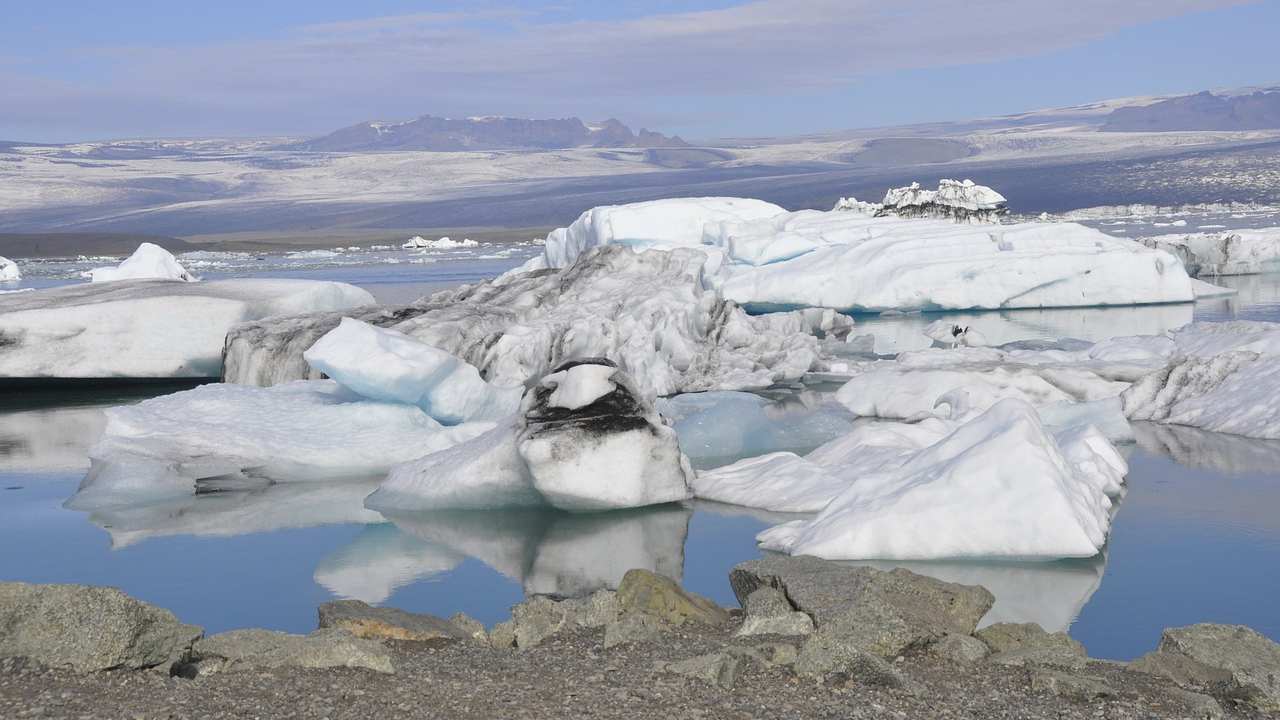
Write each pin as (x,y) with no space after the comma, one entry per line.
(512,60)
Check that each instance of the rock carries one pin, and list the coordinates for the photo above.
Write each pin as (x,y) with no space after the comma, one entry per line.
(823,656)
(541,617)
(1232,661)
(1070,686)
(634,627)
(717,668)
(769,613)
(471,627)
(645,592)
(884,612)
(379,623)
(1199,705)
(240,650)
(89,628)
(963,649)
(767,654)
(596,610)
(503,635)
(1020,644)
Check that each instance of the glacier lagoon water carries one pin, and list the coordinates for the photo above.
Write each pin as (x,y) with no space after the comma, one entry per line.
(1195,539)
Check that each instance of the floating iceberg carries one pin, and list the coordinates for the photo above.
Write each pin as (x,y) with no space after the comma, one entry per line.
(386,365)
(444,243)
(849,261)
(998,486)
(218,436)
(146,329)
(1239,252)
(9,270)
(585,440)
(646,311)
(148,262)
(1236,392)
(956,200)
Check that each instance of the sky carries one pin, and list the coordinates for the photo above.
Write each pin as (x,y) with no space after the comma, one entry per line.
(84,69)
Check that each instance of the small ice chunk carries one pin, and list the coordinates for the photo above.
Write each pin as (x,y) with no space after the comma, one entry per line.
(9,270)
(387,365)
(148,262)
(579,386)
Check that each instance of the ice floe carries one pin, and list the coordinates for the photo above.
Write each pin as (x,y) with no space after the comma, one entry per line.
(1235,392)
(646,311)
(220,435)
(148,262)
(444,243)
(9,270)
(146,329)
(766,258)
(998,486)
(383,364)
(613,451)
(1239,252)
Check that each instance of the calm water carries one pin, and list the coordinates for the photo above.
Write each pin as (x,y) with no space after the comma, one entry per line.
(1197,537)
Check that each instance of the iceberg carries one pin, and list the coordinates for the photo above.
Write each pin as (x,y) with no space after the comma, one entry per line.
(386,365)
(146,328)
(9,270)
(646,311)
(585,439)
(853,262)
(1232,392)
(1239,252)
(219,436)
(998,486)
(444,243)
(964,202)
(148,262)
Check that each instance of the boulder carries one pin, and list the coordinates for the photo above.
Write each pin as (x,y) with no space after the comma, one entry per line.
(824,656)
(963,649)
(503,635)
(1020,644)
(1070,685)
(661,597)
(240,650)
(717,668)
(883,612)
(1232,661)
(632,628)
(592,441)
(470,626)
(541,617)
(770,613)
(379,623)
(89,628)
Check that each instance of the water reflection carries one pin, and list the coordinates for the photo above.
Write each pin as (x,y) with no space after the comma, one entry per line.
(381,560)
(1219,452)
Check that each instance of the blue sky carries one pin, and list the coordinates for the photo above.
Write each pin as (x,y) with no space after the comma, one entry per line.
(85,70)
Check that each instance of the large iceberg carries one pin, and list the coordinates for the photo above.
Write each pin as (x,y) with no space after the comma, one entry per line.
(383,364)
(999,486)
(219,436)
(9,270)
(855,262)
(1238,252)
(146,329)
(647,311)
(586,439)
(1235,392)
(148,262)
(959,201)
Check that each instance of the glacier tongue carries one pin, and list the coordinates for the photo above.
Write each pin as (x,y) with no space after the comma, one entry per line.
(648,311)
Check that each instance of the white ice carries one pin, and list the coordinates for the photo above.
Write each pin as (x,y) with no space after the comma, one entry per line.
(383,364)
(305,431)
(444,243)
(998,486)
(1238,252)
(146,329)
(580,386)
(1235,392)
(148,262)
(9,270)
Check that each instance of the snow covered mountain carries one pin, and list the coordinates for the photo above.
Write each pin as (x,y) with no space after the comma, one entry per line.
(484,133)
(1202,111)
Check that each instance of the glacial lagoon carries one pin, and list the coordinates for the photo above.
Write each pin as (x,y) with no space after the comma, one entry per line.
(1193,540)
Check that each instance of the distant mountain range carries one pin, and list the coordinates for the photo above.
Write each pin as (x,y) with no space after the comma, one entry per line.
(484,133)
(1202,111)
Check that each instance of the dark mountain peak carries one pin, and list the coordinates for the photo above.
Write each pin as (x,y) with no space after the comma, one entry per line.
(433,133)
(1201,111)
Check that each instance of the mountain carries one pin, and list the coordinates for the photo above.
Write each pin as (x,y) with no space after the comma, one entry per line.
(484,133)
(1202,111)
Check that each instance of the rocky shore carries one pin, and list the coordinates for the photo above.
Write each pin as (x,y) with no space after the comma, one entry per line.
(813,639)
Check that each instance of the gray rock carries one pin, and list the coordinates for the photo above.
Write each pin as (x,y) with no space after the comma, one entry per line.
(241,650)
(1199,705)
(379,623)
(823,656)
(594,611)
(503,635)
(884,612)
(89,628)
(1021,644)
(541,617)
(632,628)
(646,592)
(471,627)
(717,668)
(1228,660)
(963,649)
(1070,686)
(767,654)
(769,613)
